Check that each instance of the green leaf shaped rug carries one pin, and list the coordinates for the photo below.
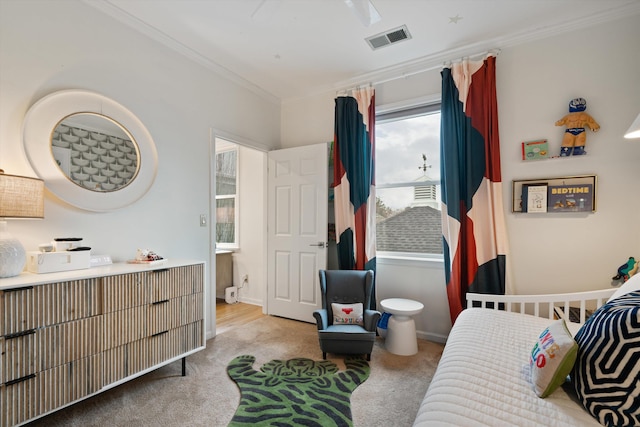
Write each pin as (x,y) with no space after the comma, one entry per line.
(296,392)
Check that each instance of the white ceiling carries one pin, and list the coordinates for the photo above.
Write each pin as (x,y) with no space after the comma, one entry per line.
(293,48)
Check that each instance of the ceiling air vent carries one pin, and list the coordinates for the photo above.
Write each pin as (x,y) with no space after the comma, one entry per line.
(388,37)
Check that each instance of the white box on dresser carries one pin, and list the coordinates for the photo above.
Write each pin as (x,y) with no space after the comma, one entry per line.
(69,335)
(53,262)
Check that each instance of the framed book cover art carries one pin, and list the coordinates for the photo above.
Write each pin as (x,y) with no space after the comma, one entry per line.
(571,198)
(555,195)
(534,198)
(535,150)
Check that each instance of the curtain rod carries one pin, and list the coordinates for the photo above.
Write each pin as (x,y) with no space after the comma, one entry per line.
(345,92)
(495,52)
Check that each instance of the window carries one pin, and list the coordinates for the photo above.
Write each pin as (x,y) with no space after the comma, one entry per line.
(408,215)
(226,194)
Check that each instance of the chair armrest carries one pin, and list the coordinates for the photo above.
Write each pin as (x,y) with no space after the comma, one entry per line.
(371,318)
(322,319)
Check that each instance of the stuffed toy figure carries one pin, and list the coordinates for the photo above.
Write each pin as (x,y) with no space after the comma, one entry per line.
(626,270)
(575,136)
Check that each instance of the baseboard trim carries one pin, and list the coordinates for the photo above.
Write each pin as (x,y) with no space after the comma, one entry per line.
(430,336)
(251,301)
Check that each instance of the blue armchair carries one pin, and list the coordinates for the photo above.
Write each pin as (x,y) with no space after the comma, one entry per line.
(346,287)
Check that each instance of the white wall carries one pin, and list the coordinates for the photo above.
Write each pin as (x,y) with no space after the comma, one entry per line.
(47,46)
(535,82)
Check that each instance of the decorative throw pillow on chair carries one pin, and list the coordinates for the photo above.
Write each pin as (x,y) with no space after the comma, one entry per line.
(347,314)
(552,358)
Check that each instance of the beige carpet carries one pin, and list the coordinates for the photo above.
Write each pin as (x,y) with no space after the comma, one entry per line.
(207,397)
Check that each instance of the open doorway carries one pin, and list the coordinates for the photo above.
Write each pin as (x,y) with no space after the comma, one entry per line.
(239,205)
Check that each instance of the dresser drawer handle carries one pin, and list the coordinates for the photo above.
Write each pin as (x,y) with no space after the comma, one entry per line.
(26,288)
(19,380)
(162,270)
(159,333)
(20,334)
(160,302)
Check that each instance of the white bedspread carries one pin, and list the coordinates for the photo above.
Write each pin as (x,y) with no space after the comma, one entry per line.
(481,379)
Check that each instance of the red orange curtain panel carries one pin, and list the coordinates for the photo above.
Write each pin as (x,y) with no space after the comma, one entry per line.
(473,226)
(354,180)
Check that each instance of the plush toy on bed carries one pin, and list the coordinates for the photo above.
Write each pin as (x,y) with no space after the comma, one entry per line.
(575,136)
(626,270)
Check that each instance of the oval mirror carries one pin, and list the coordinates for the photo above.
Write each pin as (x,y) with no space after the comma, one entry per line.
(90,151)
(95,152)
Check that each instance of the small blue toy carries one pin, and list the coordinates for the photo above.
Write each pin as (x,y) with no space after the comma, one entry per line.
(626,270)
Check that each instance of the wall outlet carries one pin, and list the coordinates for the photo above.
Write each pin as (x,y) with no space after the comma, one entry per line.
(245,278)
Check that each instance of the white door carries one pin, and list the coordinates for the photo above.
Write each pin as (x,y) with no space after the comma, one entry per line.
(297,230)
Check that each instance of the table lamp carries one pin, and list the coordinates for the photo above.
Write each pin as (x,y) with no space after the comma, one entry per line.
(20,197)
(634,130)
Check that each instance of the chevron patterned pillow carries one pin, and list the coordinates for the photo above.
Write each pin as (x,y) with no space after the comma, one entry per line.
(606,374)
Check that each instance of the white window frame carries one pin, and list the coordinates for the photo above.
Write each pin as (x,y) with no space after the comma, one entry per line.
(394,112)
(223,146)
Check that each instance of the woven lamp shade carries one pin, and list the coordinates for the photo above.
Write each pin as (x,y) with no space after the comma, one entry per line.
(21,197)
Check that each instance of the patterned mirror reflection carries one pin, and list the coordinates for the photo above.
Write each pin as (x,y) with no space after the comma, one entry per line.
(95,152)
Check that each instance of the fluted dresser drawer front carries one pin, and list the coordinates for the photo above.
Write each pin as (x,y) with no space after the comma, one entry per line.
(66,342)
(42,392)
(171,343)
(126,360)
(40,349)
(48,325)
(18,310)
(18,355)
(61,302)
(18,400)
(171,283)
(124,326)
(62,341)
(123,291)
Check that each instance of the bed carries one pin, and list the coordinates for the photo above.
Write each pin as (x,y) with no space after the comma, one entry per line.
(484,377)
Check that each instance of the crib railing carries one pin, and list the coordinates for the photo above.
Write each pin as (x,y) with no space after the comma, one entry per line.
(547,305)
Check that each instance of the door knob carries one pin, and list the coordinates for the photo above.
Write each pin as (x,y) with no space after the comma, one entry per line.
(319,244)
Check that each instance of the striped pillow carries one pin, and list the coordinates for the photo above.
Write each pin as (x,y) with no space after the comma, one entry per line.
(606,374)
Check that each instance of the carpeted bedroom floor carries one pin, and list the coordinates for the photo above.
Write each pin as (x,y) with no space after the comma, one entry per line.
(208,397)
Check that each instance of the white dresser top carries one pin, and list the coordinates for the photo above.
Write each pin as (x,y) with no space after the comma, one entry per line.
(33,279)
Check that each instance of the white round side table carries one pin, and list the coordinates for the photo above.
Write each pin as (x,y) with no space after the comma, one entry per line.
(401,330)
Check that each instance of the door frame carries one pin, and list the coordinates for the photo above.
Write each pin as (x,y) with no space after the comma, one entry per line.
(248,143)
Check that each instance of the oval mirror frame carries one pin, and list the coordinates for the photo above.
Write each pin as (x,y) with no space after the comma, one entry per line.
(41,120)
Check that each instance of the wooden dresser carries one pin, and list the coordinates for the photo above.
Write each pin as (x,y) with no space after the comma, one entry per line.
(67,336)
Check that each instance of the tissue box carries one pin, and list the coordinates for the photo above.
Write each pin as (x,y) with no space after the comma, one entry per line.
(51,262)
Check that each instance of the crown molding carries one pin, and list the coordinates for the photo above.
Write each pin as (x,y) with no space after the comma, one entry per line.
(395,72)
(124,17)
(438,60)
